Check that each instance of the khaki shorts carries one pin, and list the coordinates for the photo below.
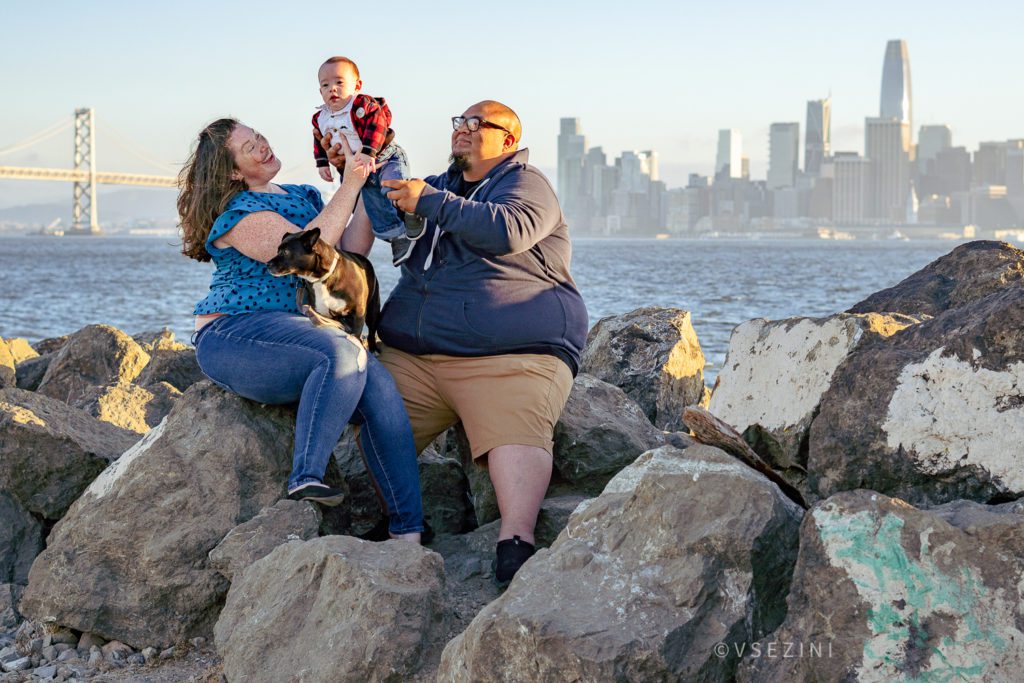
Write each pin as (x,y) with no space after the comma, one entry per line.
(501,400)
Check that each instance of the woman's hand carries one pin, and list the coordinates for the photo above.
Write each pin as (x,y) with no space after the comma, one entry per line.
(344,158)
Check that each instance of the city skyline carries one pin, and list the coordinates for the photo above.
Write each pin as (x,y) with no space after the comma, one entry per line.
(156,74)
(885,186)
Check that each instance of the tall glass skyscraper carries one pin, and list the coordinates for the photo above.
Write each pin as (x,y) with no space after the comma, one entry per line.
(897,102)
(817,142)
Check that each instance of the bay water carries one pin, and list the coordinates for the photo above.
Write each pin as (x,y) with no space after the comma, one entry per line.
(50,286)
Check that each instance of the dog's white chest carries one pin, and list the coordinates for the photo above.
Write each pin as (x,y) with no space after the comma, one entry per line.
(326,303)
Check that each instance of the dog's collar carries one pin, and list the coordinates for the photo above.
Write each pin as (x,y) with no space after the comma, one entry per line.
(334,264)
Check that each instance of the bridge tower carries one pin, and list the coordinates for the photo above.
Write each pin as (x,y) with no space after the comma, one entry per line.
(85,160)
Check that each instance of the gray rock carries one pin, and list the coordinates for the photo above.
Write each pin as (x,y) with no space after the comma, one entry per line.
(149,653)
(214,463)
(776,372)
(67,656)
(682,551)
(49,653)
(116,651)
(481,491)
(19,349)
(90,640)
(375,611)
(30,372)
(45,672)
(10,595)
(50,344)
(198,642)
(177,367)
(883,592)
(286,520)
(159,340)
(932,414)
(446,505)
(95,656)
(50,452)
(128,405)
(96,355)
(601,430)
(8,376)
(962,277)
(19,664)
(168,653)
(136,660)
(21,539)
(551,520)
(654,356)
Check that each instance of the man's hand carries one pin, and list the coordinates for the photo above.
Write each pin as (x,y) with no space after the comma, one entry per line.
(325,173)
(406,193)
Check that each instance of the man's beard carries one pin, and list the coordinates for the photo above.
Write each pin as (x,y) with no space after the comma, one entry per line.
(460,162)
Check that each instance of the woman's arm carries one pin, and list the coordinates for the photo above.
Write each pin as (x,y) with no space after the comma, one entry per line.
(358,236)
(259,234)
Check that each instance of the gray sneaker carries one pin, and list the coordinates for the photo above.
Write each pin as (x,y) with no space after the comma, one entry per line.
(401,250)
(414,226)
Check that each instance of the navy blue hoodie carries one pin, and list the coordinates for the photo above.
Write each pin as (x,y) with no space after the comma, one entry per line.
(498,280)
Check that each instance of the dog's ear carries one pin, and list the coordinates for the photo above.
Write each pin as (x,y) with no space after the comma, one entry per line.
(310,236)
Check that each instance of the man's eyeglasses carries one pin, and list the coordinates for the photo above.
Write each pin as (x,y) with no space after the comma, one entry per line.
(473,124)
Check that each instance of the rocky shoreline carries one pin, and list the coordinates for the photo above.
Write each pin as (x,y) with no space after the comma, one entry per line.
(145,538)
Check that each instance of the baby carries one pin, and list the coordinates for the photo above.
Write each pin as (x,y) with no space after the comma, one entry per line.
(365,124)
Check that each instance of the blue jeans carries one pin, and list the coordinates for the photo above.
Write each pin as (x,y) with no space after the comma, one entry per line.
(383,215)
(279,357)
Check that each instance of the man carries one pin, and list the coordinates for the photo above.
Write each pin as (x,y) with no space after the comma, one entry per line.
(486,325)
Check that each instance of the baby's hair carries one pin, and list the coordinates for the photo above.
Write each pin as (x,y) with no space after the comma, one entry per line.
(343,60)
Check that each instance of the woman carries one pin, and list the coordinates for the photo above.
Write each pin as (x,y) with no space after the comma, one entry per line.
(250,337)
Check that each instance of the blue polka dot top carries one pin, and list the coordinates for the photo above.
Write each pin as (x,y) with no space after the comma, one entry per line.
(241,284)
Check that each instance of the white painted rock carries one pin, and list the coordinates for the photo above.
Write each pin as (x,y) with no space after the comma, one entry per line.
(932,414)
(885,592)
(129,560)
(682,550)
(333,609)
(776,372)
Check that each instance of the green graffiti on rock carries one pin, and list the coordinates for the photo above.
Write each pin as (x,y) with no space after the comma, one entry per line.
(927,625)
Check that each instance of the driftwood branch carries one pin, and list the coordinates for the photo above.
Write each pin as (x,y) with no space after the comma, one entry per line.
(708,429)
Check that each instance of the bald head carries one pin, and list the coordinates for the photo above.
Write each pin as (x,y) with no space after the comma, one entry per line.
(498,113)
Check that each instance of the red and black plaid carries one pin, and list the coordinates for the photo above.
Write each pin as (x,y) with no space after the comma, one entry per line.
(372,127)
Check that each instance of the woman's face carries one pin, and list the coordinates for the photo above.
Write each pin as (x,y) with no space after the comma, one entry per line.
(255,162)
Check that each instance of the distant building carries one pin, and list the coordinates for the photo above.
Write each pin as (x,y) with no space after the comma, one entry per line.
(572,145)
(990,164)
(897,101)
(818,138)
(851,182)
(729,162)
(1015,169)
(887,147)
(783,154)
(930,141)
(948,173)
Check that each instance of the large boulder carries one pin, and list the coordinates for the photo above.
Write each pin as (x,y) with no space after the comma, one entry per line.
(10,595)
(683,550)
(654,356)
(128,405)
(95,355)
(21,539)
(333,609)
(129,560)
(8,375)
(177,367)
(884,592)
(19,349)
(932,414)
(967,274)
(286,520)
(50,452)
(156,340)
(601,430)
(776,373)
(30,372)
(446,505)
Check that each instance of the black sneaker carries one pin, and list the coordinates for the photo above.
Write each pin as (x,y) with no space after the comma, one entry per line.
(401,250)
(414,226)
(510,555)
(317,492)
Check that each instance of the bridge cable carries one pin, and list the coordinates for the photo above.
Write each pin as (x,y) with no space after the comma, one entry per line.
(42,135)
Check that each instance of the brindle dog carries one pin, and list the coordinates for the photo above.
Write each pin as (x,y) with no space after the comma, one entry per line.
(341,285)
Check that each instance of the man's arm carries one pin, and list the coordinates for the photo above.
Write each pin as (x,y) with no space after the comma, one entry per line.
(520,212)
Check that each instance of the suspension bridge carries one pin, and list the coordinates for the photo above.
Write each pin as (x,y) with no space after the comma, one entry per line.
(83,174)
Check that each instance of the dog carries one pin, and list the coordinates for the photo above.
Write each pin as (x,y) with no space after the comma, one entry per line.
(340,284)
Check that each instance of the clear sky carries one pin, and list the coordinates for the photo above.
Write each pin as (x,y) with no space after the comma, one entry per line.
(640,75)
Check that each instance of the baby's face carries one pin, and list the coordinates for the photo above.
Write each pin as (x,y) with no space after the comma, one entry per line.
(338,84)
